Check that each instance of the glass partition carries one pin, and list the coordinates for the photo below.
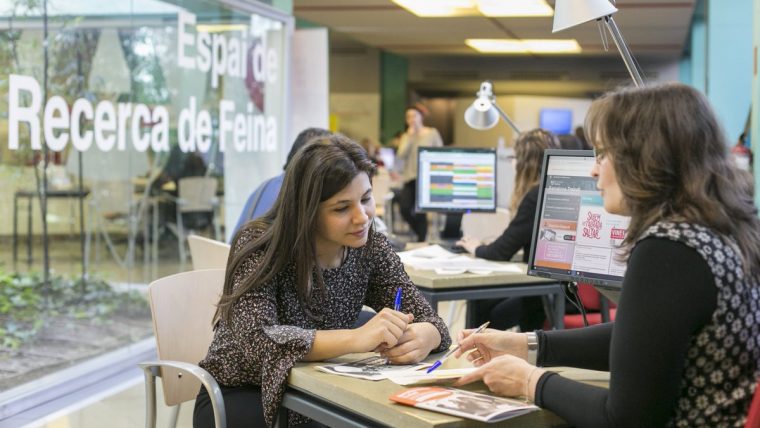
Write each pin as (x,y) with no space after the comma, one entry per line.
(126,126)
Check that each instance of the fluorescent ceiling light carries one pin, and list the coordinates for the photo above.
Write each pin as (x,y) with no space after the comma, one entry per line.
(454,8)
(514,8)
(522,46)
(439,8)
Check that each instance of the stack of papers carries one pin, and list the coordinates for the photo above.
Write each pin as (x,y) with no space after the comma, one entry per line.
(444,262)
(372,368)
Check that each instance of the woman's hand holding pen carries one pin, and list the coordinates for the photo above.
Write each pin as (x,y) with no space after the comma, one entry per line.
(414,345)
(382,331)
(491,344)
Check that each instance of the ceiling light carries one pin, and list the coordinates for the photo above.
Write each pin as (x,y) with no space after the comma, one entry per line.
(544,46)
(439,8)
(514,8)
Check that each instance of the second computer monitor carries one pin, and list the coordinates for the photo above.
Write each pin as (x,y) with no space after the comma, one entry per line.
(456,180)
(574,237)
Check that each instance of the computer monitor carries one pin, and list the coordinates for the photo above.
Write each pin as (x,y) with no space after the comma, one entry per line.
(456,180)
(574,237)
(556,120)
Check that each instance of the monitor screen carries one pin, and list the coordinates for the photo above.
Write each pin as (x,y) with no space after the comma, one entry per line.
(456,179)
(556,120)
(574,238)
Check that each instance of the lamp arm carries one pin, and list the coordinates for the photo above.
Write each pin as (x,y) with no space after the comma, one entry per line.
(617,37)
(504,115)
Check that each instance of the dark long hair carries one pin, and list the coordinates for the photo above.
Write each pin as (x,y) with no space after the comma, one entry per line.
(285,234)
(672,163)
(529,152)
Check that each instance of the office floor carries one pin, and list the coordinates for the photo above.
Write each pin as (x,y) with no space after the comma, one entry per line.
(125,408)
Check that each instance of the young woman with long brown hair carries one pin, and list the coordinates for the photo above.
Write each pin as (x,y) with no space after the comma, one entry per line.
(296,281)
(684,349)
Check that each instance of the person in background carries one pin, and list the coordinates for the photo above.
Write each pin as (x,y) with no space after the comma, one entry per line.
(527,312)
(416,135)
(262,199)
(372,150)
(570,142)
(684,350)
(581,134)
(296,281)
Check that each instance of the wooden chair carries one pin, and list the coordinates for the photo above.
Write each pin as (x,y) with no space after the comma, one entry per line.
(207,253)
(197,195)
(183,307)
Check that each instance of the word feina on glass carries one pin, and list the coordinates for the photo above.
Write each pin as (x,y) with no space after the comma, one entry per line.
(110,125)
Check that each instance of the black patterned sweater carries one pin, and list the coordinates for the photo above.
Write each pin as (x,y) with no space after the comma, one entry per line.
(271,331)
(684,349)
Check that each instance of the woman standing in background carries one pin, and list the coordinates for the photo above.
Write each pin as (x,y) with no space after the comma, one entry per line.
(416,135)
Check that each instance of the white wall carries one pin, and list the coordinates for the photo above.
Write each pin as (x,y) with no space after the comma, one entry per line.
(355,91)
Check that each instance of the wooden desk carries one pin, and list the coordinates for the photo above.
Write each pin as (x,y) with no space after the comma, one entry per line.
(468,286)
(340,401)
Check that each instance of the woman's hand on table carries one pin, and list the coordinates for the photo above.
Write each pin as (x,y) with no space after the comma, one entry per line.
(507,375)
(382,331)
(414,345)
(469,243)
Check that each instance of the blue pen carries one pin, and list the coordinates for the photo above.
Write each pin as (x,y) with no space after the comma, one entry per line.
(397,302)
(454,349)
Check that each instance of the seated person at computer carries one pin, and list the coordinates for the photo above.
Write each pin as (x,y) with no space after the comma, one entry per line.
(684,349)
(296,281)
(264,196)
(527,312)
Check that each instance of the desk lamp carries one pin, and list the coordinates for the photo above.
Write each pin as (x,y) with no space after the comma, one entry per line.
(484,112)
(569,13)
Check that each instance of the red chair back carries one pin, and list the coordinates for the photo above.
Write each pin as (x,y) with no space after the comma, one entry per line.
(753,417)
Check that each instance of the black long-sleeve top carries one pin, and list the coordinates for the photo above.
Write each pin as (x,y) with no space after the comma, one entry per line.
(675,352)
(517,235)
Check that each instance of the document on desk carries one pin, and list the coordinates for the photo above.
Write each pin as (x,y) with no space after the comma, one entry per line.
(372,368)
(465,404)
(443,262)
(437,377)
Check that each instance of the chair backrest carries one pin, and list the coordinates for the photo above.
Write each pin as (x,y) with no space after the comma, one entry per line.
(591,298)
(197,194)
(485,226)
(753,417)
(183,307)
(208,253)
